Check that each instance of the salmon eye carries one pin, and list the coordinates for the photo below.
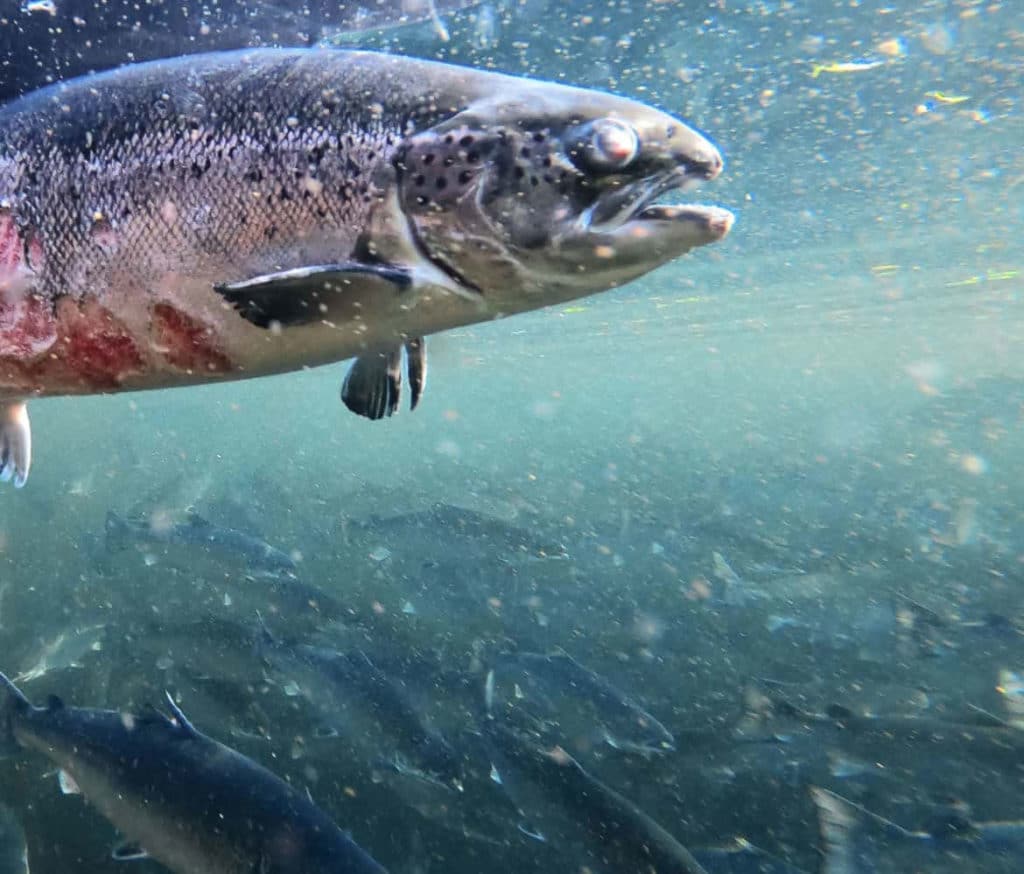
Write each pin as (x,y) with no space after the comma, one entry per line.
(605,145)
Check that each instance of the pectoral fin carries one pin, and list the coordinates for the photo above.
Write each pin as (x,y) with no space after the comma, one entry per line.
(373,384)
(304,295)
(67,783)
(416,361)
(15,443)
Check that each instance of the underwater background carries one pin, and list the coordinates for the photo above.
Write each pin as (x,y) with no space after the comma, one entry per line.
(778,478)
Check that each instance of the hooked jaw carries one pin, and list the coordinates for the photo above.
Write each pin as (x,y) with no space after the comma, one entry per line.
(629,227)
(675,158)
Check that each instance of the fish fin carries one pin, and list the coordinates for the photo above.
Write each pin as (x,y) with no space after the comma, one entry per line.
(128,851)
(12,704)
(179,718)
(15,443)
(68,784)
(844,826)
(304,295)
(416,364)
(373,384)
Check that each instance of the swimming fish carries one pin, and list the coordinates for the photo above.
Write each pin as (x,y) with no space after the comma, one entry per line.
(857,840)
(197,533)
(178,796)
(626,832)
(245,213)
(60,39)
(844,67)
(576,701)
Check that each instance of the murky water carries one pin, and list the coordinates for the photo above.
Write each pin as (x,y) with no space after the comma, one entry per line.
(780,475)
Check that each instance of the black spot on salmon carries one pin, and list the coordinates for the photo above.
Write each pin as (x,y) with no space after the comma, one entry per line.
(441,183)
(420,179)
(472,157)
(428,158)
(449,139)
(520,172)
(466,141)
(525,151)
(464,177)
(539,137)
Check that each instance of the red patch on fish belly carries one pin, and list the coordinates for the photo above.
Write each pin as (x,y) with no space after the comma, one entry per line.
(94,349)
(185,342)
(27,327)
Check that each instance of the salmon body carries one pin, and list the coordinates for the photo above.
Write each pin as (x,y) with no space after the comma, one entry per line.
(244,213)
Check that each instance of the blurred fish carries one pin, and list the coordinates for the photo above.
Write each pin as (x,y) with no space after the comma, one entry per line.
(63,651)
(353,698)
(625,832)
(857,841)
(190,802)
(434,530)
(580,707)
(146,534)
(74,37)
(13,850)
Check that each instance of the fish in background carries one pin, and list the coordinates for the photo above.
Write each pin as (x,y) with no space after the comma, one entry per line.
(60,39)
(580,708)
(64,650)
(178,796)
(354,699)
(857,841)
(624,832)
(151,534)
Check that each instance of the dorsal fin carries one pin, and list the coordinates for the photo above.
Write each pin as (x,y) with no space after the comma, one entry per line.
(179,718)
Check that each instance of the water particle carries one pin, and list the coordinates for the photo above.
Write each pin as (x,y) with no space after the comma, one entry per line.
(380,554)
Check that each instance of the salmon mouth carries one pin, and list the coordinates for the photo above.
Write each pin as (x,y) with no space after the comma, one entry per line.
(654,201)
(714,221)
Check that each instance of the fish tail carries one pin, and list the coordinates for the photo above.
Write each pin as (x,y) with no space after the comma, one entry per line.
(116,531)
(817,70)
(12,705)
